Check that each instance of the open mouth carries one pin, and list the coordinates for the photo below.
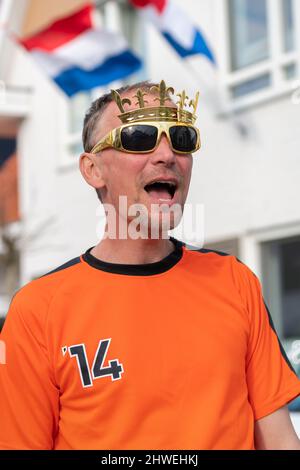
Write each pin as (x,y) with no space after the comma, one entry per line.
(163,190)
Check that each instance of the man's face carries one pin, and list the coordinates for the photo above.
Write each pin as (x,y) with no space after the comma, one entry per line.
(126,174)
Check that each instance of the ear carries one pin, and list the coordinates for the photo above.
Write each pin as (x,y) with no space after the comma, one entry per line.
(90,168)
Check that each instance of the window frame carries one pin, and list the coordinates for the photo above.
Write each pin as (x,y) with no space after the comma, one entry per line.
(273,288)
(279,59)
(250,249)
(250,244)
(244,51)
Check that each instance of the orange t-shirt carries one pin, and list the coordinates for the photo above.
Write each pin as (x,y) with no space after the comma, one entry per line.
(176,354)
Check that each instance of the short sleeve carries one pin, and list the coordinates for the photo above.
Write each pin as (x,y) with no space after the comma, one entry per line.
(272,382)
(29,397)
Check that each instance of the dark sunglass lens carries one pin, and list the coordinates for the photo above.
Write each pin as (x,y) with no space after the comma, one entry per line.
(139,137)
(184,138)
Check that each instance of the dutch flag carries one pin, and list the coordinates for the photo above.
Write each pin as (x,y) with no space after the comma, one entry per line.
(176,26)
(78,56)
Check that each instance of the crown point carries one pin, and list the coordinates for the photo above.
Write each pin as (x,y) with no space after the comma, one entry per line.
(160,112)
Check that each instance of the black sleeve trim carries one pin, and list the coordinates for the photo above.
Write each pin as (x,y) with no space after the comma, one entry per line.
(66,265)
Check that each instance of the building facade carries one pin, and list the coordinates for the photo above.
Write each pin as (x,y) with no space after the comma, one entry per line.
(245,177)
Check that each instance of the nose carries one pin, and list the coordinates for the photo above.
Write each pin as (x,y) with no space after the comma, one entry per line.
(163,153)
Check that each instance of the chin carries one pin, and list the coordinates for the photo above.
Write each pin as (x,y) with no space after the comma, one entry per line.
(155,219)
(161,224)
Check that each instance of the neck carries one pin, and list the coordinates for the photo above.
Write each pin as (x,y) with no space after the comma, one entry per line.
(129,251)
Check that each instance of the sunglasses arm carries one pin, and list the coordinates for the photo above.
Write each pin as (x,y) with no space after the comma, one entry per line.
(104,143)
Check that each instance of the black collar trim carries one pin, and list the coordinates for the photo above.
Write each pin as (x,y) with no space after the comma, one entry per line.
(147,269)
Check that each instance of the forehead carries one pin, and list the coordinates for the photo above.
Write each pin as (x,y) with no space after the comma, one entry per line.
(110,120)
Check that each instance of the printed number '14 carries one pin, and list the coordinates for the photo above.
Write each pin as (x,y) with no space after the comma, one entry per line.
(115,369)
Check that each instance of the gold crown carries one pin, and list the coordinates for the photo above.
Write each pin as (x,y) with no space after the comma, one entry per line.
(161,112)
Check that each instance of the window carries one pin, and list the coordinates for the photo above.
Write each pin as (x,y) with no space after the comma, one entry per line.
(288,25)
(290,71)
(290,260)
(281,280)
(259,58)
(281,285)
(248,31)
(252,85)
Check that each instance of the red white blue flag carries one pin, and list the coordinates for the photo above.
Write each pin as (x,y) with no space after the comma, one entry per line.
(176,26)
(78,56)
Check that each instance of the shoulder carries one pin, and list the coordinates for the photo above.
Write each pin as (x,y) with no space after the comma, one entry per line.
(30,306)
(208,252)
(209,259)
(34,298)
(221,256)
(224,266)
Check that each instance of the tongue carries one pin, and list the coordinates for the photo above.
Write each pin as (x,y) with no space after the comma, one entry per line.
(160,193)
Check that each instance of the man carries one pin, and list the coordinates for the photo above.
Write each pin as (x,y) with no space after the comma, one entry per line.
(143,343)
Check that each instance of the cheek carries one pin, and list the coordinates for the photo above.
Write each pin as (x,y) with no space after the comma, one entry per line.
(132,168)
(135,162)
(186,165)
(125,171)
